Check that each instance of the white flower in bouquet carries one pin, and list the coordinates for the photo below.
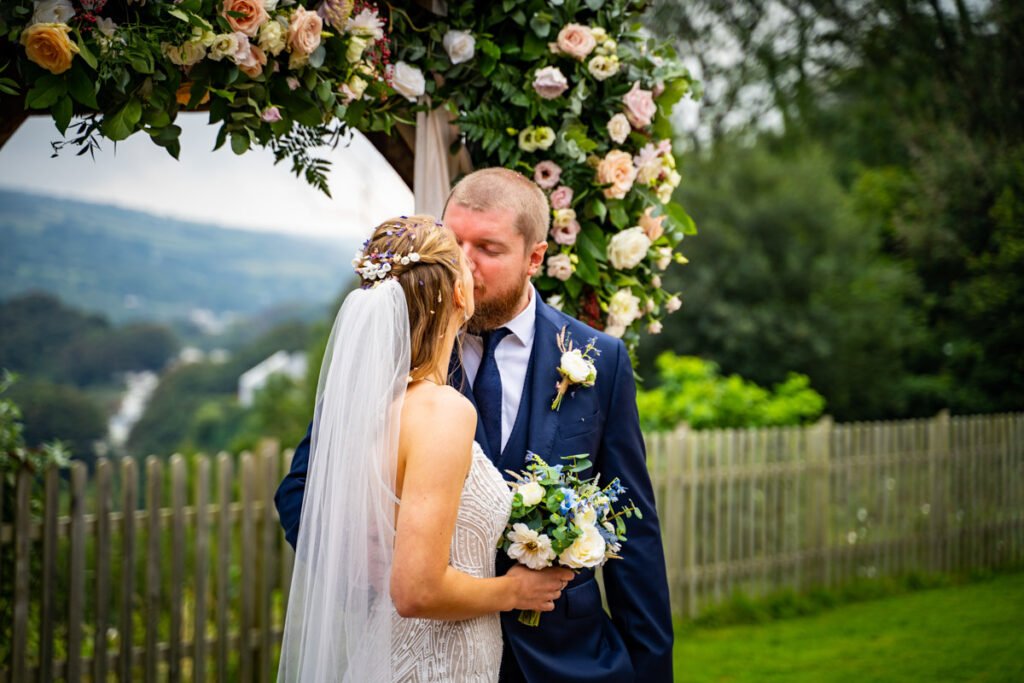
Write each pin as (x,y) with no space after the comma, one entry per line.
(529,547)
(623,308)
(586,551)
(356,46)
(555,301)
(619,128)
(367,24)
(408,81)
(53,12)
(673,304)
(628,248)
(664,258)
(273,38)
(460,46)
(654,327)
(532,493)
(559,267)
(603,67)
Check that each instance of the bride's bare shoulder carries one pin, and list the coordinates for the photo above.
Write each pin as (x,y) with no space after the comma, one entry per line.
(439,410)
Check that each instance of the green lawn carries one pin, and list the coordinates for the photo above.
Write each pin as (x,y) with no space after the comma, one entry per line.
(973,632)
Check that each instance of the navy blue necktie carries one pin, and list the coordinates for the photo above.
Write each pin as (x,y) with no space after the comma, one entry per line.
(487,390)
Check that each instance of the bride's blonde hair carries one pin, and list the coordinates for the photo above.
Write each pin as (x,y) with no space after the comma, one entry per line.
(428,281)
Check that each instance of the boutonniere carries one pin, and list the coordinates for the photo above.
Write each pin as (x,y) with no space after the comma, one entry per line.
(576,366)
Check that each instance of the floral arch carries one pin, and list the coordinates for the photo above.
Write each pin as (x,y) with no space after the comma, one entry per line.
(574,93)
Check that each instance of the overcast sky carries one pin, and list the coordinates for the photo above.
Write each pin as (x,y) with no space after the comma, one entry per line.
(246,191)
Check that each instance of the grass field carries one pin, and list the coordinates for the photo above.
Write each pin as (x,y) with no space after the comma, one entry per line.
(973,632)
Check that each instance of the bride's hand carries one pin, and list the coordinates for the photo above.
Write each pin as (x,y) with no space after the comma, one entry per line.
(537,590)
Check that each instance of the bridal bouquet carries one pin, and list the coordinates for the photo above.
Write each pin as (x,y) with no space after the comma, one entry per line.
(558,517)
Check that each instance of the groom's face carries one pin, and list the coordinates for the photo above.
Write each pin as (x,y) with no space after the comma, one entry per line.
(500,262)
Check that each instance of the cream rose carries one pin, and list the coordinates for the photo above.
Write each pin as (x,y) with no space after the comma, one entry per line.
(532,493)
(273,38)
(253,16)
(304,32)
(408,81)
(619,128)
(53,12)
(550,82)
(623,307)
(673,304)
(576,40)
(628,248)
(617,170)
(664,258)
(48,46)
(640,106)
(559,267)
(460,46)
(586,551)
(654,327)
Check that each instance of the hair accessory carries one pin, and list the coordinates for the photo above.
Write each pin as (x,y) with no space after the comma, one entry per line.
(376,266)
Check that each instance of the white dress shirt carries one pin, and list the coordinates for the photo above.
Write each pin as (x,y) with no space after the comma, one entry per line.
(512,356)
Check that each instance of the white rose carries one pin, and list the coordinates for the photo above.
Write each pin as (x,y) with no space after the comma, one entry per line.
(586,551)
(532,493)
(664,257)
(656,281)
(615,330)
(628,248)
(623,307)
(673,304)
(577,368)
(408,81)
(654,328)
(619,128)
(460,46)
(53,12)
(555,301)
(586,517)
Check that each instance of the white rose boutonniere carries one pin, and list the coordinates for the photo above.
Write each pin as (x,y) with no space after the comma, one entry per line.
(577,366)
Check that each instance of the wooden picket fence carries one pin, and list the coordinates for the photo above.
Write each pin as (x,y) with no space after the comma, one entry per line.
(181,572)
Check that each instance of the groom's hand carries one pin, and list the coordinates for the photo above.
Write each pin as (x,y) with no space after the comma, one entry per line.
(537,590)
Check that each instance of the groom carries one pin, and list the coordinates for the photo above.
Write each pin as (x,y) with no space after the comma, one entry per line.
(509,370)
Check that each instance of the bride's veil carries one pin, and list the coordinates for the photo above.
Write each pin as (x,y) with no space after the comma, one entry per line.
(338,622)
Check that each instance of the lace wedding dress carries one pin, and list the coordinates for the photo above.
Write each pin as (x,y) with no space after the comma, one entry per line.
(468,651)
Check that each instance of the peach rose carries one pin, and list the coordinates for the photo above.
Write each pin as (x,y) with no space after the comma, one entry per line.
(304,32)
(253,61)
(253,16)
(652,225)
(617,170)
(576,41)
(48,46)
(640,107)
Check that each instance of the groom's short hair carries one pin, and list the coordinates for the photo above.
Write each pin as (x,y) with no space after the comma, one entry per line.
(502,189)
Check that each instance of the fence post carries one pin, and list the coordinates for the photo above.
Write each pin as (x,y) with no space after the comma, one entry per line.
(938,455)
(819,505)
(22,547)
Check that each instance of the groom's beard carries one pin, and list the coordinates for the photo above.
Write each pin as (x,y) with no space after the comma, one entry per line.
(497,311)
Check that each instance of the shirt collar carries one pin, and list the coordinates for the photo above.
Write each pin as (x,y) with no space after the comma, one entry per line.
(524,325)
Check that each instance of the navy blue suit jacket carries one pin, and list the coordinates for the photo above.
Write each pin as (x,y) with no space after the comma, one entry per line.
(578,641)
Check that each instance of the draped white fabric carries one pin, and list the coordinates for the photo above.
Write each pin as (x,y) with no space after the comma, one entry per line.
(434,166)
(338,623)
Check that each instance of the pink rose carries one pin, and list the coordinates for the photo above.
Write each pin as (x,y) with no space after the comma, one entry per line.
(253,61)
(271,115)
(566,233)
(253,16)
(576,41)
(550,82)
(617,170)
(546,174)
(640,107)
(561,198)
(304,32)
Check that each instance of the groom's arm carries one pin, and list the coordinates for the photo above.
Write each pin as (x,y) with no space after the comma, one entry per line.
(288,498)
(636,586)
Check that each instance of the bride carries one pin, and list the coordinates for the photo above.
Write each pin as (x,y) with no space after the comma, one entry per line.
(394,566)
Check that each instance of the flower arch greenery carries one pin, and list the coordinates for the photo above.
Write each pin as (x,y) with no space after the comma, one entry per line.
(575,94)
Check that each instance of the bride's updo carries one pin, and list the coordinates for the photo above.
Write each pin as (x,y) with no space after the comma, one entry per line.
(423,255)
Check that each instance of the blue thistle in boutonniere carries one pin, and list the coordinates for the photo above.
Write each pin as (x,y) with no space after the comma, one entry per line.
(576,366)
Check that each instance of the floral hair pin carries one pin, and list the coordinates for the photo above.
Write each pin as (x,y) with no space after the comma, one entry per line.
(576,367)
(377,266)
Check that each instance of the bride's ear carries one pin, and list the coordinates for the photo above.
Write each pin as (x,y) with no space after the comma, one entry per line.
(460,295)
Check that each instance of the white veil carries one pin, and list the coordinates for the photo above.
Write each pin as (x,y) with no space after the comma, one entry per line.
(338,622)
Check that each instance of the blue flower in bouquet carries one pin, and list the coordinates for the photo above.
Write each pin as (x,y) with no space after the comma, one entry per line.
(568,502)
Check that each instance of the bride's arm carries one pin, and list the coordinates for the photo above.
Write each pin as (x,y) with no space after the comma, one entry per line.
(436,449)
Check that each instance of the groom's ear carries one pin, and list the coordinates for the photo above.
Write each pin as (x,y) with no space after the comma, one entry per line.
(536,257)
